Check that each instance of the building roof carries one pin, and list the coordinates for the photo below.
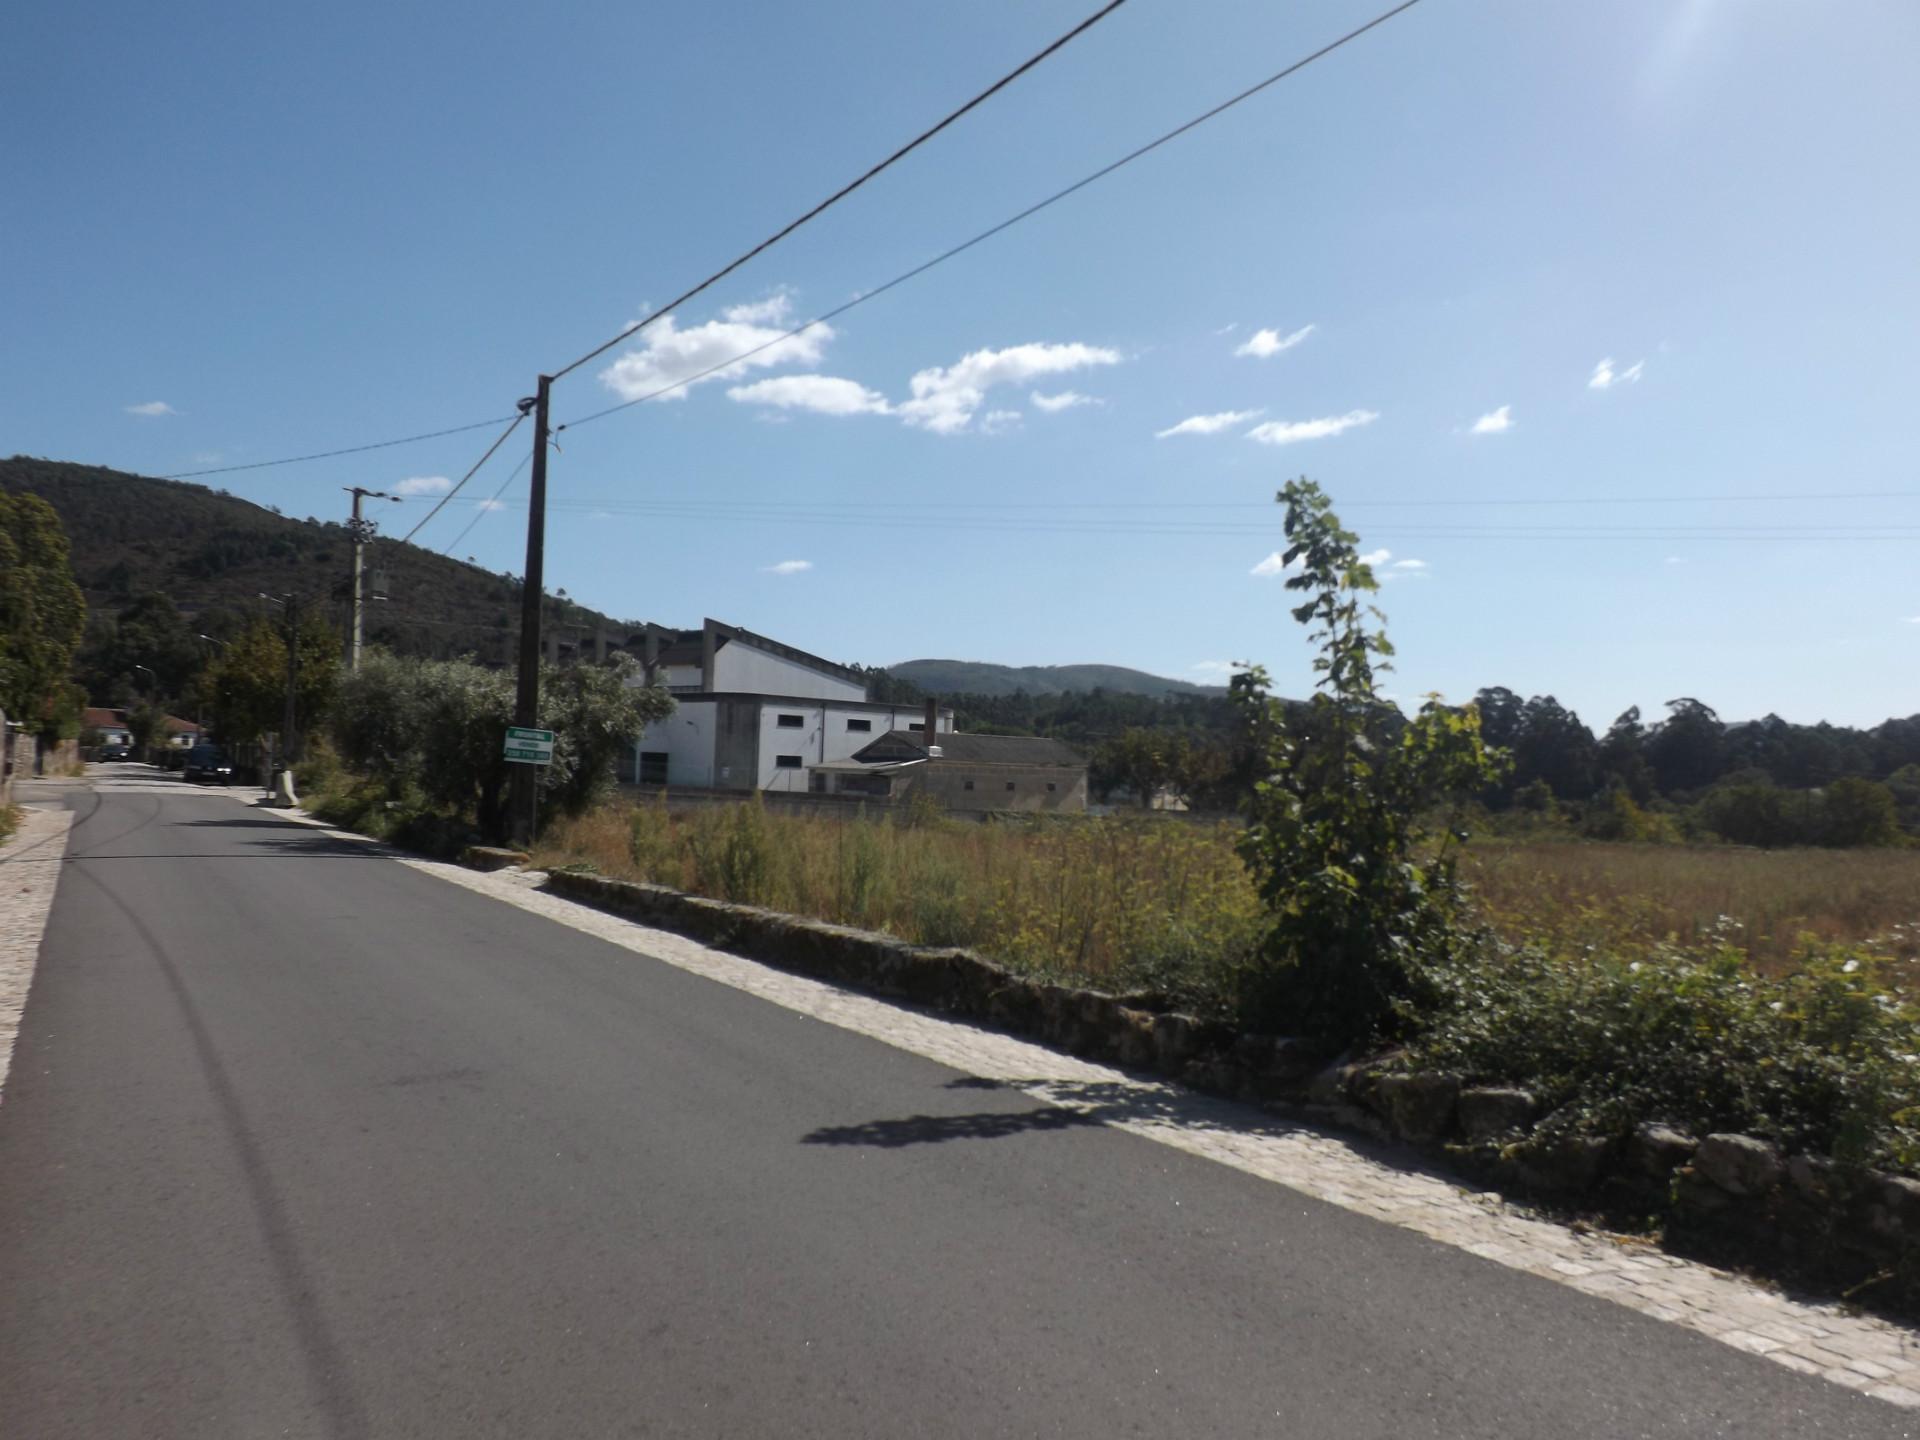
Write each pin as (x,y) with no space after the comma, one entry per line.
(99,717)
(983,749)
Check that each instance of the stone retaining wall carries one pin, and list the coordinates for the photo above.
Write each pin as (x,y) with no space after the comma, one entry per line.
(1733,1194)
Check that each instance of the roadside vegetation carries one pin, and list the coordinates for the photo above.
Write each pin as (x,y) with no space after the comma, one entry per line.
(1711,988)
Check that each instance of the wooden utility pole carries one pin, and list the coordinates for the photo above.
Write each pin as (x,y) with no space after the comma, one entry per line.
(525,796)
(360,532)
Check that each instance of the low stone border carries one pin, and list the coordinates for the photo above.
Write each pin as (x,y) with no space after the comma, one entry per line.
(1733,1194)
(489,857)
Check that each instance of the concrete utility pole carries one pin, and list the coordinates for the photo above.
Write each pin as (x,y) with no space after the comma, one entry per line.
(524,801)
(360,532)
(289,744)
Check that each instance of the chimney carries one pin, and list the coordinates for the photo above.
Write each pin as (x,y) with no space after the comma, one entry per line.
(931,731)
(650,647)
(709,642)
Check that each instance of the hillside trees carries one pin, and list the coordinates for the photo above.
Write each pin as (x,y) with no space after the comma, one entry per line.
(42,612)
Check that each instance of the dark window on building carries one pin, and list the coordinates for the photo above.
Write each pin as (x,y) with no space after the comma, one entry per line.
(863,726)
(966,785)
(787,762)
(915,725)
(1009,784)
(1052,786)
(791,722)
(653,767)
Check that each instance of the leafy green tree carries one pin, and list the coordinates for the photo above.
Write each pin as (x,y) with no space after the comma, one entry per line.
(1687,749)
(1859,812)
(42,612)
(440,725)
(146,725)
(246,686)
(1360,901)
(1623,757)
(1141,762)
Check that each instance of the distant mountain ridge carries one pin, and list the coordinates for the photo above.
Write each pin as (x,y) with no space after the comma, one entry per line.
(978,677)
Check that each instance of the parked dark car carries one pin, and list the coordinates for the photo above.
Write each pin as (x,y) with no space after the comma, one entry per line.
(113,752)
(209,762)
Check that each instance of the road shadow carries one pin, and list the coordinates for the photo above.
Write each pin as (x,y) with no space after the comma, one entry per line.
(247,824)
(298,843)
(1146,1102)
(936,1129)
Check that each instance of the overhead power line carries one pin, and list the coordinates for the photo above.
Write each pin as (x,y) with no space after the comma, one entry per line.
(853,185)
(499,440)
(488,506)
(331,454)
(965,245)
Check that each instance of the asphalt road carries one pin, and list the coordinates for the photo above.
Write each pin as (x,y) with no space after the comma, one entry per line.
(300,1141)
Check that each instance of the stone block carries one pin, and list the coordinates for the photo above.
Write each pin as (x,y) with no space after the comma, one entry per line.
(1488,1111)
(1419,1106)
(1566,1164)
(1658,1150)
(1739,1164)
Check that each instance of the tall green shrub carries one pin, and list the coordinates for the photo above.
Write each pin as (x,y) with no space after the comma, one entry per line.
(1359,899)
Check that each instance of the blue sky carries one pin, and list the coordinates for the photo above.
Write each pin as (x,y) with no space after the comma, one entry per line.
(289,230)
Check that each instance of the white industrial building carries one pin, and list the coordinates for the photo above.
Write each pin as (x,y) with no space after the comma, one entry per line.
(753,714)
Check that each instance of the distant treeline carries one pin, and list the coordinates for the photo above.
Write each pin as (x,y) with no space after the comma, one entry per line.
(1760,782)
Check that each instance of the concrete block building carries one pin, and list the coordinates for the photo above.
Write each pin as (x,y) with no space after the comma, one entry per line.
(962,773)
(754,714)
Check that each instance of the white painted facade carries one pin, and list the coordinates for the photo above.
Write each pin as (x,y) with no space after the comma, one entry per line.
(729,734)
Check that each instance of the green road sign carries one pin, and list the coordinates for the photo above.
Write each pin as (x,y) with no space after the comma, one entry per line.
(529,747)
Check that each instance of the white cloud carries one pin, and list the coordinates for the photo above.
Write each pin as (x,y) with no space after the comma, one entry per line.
(787,567)
(1210,424)
(152,407)
(1409,564)
(423,485)
(822,394)
(206,457)
(1605,377)
(1403,570)
(1228,328)
(769,311)
(1065,400)
(490,505)
(1266,343)
(1676,559)
(1376,557)
(1219,667)
(1289,432)
(946,398)
(667,355)
(995,422)
(1275,564)
(1913,620)
(1494,422)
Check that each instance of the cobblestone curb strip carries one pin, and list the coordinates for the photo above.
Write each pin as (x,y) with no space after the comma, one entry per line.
(29,871)
(1861,1352)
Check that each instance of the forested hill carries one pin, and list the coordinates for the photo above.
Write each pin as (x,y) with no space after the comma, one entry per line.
(214,553)
(973,677)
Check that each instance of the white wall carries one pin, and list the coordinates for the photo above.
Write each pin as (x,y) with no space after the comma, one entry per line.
(823,735)
(687,738)
(740,667)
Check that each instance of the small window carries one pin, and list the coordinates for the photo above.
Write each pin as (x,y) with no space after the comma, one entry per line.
(966,785)
(653,767)
(915,725)
(863,726)
(1052,786)
(792,722)
(1009,784)
(787,762)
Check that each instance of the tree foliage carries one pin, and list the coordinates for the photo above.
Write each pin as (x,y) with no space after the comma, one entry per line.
(439,726)
(1360,901)
(42,612)
(246,686)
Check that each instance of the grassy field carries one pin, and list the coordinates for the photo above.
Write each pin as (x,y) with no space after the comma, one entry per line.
(1151,904)
(1124,904)
(1572,893)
